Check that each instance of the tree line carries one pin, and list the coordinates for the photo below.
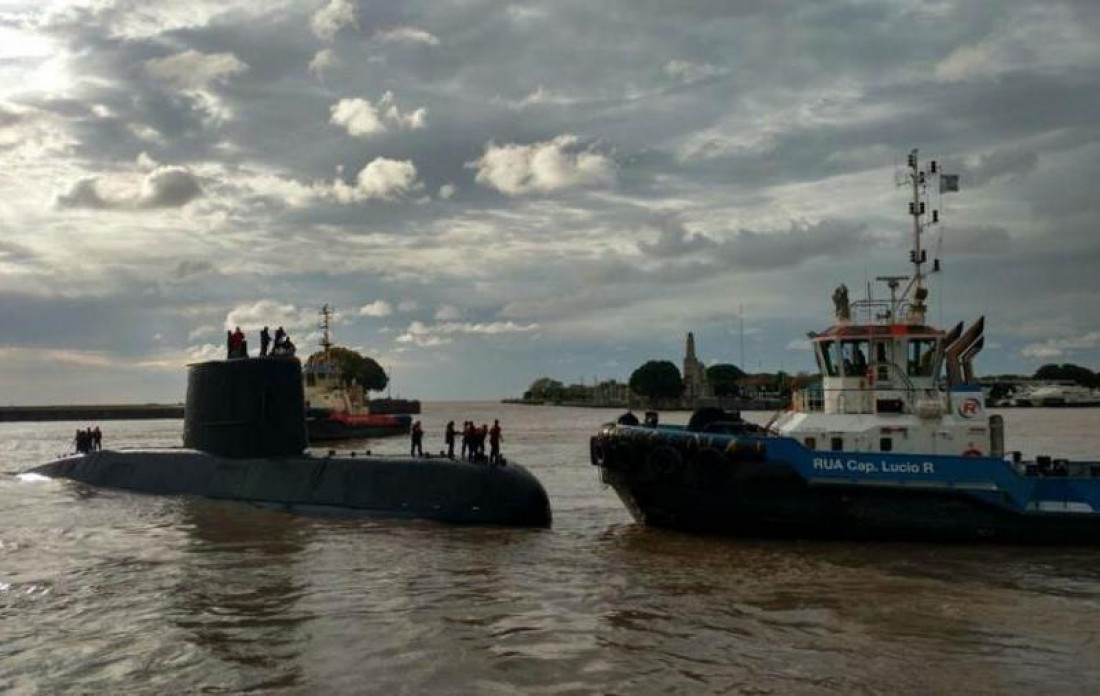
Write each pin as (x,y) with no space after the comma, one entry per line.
(661,380)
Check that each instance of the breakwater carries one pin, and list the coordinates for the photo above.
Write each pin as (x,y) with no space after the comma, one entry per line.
(97,412)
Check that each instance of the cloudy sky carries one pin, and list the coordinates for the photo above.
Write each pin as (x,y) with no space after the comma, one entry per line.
(492,191)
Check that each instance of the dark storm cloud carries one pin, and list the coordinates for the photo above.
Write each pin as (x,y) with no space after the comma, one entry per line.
(977,239)
(999,163)
(15,253)
(750,250)
(674,240)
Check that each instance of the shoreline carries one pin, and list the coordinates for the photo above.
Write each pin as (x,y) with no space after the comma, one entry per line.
(96,412)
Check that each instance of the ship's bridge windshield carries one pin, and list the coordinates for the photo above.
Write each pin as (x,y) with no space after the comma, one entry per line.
(855,354)
(922,357)
(848,357)
(857,357)
(826,354)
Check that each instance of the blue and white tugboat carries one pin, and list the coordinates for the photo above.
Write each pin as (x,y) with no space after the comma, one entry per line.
(894,443)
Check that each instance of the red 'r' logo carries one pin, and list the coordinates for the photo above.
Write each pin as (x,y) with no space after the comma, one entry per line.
(970,408)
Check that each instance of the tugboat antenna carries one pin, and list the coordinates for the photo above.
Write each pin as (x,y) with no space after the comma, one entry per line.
(916,292)
(326,322)
(916,209)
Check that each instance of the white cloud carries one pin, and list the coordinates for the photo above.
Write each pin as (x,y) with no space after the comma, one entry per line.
(425,335)
(204,330)
(446,191)
(193,73)
(381,179)
(541,97)
(407,306)
(448,313)
(542,167)
(361,118)
(687,72)
(799,344)
(192,70)
(145,132)
(526,14)
(407,35)
(322,61)
(1058,347)
(378,308)
(327,22)
(164,187)
(358,116)
(145,162)
(206,351)
(255,316)
(966,62)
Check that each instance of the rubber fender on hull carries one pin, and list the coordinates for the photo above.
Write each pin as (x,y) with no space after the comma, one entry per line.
(665,460)
(597,450)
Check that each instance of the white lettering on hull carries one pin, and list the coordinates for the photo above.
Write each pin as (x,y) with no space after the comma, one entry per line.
(857,466)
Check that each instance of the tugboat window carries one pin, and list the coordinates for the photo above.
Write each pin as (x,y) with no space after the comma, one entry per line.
(828,358)
(882,359)
(837,444)
(922,357)
(811,443)
(886,445)
(855,358)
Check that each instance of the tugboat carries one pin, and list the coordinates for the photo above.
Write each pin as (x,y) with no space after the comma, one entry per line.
(894,442)
(336,406)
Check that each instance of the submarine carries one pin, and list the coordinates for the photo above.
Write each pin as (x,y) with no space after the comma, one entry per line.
(244,439)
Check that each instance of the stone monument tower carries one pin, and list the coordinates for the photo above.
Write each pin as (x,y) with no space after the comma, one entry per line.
(695,375)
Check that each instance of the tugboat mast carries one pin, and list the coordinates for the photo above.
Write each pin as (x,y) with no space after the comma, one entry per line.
(918,255)
(326,322)
(916,209)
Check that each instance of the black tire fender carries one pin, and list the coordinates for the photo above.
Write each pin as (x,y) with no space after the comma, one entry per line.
(597,451)
(665,460)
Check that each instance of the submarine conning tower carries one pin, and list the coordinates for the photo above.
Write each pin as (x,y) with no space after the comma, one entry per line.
(246,407)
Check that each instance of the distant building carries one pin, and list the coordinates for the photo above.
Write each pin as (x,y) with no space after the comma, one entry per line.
(696,387)
(611,393)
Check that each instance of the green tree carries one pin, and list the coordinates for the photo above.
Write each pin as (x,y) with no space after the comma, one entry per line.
(657,379)
(545,389)
(1070,372)
(723,379)
(365,371)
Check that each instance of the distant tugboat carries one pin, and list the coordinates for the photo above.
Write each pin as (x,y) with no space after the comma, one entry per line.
(337,407)
(886,447)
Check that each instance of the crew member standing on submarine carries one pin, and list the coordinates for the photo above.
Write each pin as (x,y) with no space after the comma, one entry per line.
(449,438)
(417,440)
(466,439)
(265,341)
(495,437)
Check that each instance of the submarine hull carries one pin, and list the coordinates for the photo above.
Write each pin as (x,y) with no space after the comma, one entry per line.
(436,489)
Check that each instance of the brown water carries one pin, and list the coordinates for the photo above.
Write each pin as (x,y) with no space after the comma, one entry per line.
(105,591)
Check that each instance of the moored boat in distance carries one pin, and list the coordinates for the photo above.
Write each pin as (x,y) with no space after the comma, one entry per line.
(894,443)
(1058,395)
(337,408)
